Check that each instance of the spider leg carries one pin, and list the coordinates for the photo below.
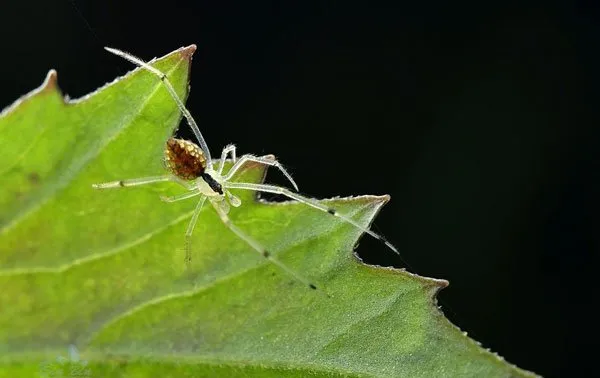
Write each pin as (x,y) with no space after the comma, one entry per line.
(262,160)
(230,148)
(180,197)
(310,202)
(163,78)
(257,246)
(190,230)
(134,182)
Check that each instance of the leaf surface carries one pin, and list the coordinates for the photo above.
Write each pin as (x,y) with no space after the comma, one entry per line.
(103,271)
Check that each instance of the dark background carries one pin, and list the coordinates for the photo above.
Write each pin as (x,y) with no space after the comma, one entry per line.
(479,119)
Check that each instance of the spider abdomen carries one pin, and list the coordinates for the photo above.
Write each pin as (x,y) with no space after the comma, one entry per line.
(184,159)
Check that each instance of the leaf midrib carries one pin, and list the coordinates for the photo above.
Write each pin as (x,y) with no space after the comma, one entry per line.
(204,288)
(192,360)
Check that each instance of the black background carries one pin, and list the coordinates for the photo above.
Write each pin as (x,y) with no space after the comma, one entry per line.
(479,119)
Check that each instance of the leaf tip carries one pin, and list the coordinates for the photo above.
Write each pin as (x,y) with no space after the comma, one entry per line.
(50,82)
(49,85)
(436,284)
(383,199)
(432,285)
(187,52)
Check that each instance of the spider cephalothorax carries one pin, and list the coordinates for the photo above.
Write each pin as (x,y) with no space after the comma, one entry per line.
(184,159)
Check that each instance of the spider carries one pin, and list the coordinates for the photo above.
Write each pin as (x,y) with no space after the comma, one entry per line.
(191,166)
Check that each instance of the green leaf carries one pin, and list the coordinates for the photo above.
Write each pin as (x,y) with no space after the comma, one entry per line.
(104,271)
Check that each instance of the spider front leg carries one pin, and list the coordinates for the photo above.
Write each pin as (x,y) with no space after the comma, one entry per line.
(310,202)
(218,205)
(229,149)
(262,160)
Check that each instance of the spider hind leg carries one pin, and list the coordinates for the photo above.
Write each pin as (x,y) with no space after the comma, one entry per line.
(257,246)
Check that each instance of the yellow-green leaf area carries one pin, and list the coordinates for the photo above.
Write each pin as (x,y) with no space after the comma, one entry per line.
(104,272)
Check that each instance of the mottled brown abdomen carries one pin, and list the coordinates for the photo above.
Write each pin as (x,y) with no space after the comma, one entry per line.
(184,158)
